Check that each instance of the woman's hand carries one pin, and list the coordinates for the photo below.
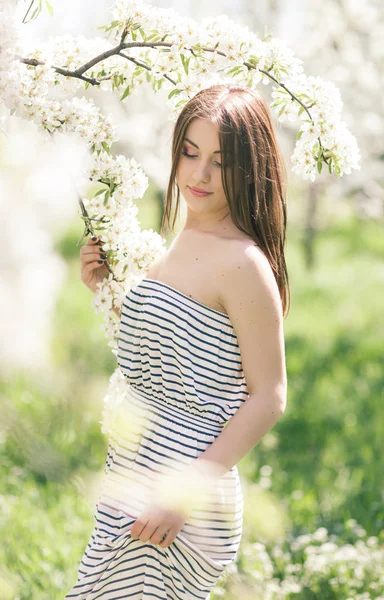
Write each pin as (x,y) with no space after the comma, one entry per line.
(92,263)
(175,496)
(156,522)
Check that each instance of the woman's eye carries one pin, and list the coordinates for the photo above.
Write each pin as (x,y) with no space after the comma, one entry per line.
(190,155)
(185,153)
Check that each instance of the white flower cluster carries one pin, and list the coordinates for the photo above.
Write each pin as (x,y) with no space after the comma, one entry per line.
(357,567)
(32,93)
(9,35)
(135,251)
(165,21)
(114,397)
(9,47)
(338,145)
(131,249)
(320,563)
(75,116)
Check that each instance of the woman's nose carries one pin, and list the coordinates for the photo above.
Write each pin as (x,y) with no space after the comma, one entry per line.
(202,171)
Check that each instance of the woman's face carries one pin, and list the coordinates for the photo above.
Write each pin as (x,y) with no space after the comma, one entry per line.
(200,167)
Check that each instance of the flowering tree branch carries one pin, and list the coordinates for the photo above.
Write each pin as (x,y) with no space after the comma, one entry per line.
(33,62)
(117,51)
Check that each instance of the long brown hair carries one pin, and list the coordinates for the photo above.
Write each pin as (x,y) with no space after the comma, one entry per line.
(254,178)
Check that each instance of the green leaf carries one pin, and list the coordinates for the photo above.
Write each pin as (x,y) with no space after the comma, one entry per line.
(319,165)
(301,110)
(173,93)
(148,76)
(35,13)
(112,25)
(49,7)
(185,62)
(232,70)
(138,71)
(180,103)
(134,35)
(94,189)
(152,36)
(106,147)
(126,92)
(277,102)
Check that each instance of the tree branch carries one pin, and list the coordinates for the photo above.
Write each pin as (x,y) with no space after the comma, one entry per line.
(117,51)
(141,64)
(34,63)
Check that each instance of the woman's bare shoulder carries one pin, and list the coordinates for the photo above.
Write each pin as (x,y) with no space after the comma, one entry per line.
(240,252)
(238,246)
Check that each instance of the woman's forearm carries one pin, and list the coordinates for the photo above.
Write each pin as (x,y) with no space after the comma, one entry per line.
(255,417)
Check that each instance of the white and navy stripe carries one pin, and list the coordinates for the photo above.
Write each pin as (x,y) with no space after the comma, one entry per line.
(182,363)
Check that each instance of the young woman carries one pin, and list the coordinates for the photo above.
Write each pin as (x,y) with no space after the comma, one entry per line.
(202,348)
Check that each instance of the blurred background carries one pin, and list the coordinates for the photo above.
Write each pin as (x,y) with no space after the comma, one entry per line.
(316,478)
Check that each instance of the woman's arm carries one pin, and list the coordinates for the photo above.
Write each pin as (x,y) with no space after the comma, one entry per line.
(251,298)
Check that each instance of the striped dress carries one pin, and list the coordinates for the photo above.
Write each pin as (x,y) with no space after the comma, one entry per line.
(181,365)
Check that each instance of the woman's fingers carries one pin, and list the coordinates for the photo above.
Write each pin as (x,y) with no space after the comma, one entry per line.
(87,259)
(91,252)
(138,527)
(92,247)
(170,538)
(89,267)
(157,526)
(93,259)
(92,256)
(93,240)
(160,533)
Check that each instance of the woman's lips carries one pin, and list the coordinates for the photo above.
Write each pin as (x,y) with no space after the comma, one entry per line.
(195,192)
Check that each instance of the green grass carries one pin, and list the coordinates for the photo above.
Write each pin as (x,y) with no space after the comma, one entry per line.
(328,442)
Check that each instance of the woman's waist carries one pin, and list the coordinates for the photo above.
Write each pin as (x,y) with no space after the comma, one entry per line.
(193,413)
